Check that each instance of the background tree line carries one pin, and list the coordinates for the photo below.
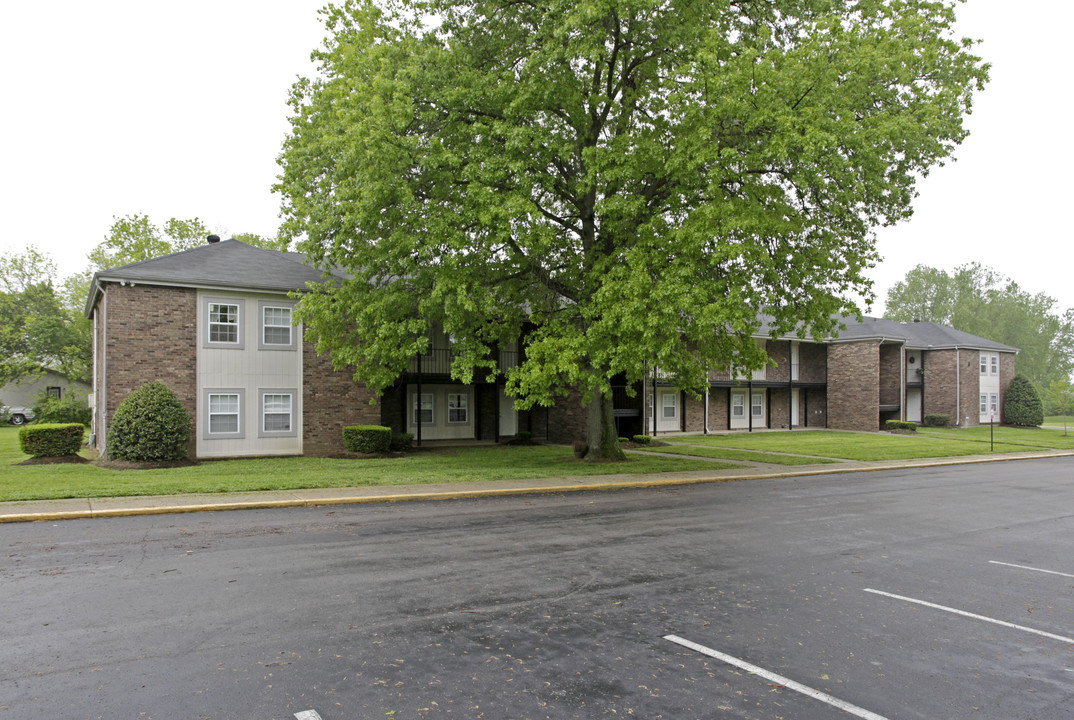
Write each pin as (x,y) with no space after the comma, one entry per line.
(42,320)
(980,300)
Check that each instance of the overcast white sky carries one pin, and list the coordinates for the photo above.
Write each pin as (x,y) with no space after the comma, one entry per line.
(179,109)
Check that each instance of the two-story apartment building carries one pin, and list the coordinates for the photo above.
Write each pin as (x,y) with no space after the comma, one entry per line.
(216,325)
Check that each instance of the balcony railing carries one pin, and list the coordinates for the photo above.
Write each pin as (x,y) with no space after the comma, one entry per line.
(437,361)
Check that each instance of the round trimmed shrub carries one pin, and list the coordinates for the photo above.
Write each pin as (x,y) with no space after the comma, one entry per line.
(1023,406)
(150,425)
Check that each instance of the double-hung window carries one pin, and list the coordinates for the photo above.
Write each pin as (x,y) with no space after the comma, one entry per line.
(738,405)
(423,409)
(995,364)
(458,408)
(277,331)
(757,405)
(278,412)
(223,323)
(225,414)
(984,363)
(669,405)
(984,404)
(223,319)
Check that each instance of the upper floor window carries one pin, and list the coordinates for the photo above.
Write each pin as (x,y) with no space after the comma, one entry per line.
(995,364)
(223,318)
(277,332)
(54,391)
(989,364)
(223,323)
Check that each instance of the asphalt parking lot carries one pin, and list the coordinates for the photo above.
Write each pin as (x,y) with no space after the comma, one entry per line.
(937,593)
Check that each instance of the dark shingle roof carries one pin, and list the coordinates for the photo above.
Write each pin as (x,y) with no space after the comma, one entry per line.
(229,264)
(918,335)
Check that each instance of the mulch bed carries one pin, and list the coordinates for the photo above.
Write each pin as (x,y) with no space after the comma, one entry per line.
(55,460)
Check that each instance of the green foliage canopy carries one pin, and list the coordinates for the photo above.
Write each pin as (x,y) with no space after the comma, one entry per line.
(636,179)
(979,300)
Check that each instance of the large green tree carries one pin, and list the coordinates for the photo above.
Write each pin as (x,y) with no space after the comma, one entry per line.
(38,330)
(635,179)
(979,300)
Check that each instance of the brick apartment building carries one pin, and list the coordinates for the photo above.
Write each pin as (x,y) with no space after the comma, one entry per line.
(214,324)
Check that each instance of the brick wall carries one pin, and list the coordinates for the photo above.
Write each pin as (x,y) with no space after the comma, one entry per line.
(331,400)
(854,385)
(779,352)
(694,413)
(147,333)
(952,384)
(812,362)
(890,374)
(779,407)
(814,407)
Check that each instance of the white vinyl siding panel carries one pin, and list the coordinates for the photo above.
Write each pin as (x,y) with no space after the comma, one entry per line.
(254,371)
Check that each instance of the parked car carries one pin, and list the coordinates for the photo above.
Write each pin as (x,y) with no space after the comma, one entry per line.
(19,415)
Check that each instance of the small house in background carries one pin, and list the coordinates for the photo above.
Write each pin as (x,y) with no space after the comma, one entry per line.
(215,324)
(19,397)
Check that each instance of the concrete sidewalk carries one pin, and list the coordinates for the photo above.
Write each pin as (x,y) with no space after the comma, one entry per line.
(80,508)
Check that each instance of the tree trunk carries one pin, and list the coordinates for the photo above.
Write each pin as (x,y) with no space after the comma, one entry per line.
(601,437)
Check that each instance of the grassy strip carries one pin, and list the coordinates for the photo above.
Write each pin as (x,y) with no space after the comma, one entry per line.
(1027,438)
(853,446)
(501,462)
(1060,421)
(747,455)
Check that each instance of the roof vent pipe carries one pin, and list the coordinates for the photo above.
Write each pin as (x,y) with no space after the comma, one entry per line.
(213,239)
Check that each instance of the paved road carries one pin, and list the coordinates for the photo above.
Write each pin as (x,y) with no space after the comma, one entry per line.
(557,606)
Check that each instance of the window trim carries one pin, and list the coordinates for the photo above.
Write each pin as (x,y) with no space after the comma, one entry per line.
(263,305)
(738,402)
(415,409)
(983,407)
(993,365)
(58,395)
(206,309)
(757,406)
(465,407)
(664,407)
(293,412)
(207,434)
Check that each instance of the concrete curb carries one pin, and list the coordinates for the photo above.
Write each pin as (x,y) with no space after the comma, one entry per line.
(162,505)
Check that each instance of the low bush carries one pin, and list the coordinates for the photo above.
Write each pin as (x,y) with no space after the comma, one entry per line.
(401,442)
(623,440)
(150,425)
(642,439)
(368,439)
(71,409)
(891,425)
(51,439)
(936,420)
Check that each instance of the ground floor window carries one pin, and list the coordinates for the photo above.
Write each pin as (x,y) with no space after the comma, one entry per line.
(669,405)
(738,405)
(423,409)
(54,392)
(278,410)
(458,408)
(224,414)
(757,405)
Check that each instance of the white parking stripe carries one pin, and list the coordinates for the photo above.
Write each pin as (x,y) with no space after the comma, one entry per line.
(1026,567)
(786,682)
(972,615)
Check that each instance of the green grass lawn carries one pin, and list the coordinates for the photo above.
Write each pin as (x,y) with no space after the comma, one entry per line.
(500,462)
(1060,421)
(882,446)
(748,455)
